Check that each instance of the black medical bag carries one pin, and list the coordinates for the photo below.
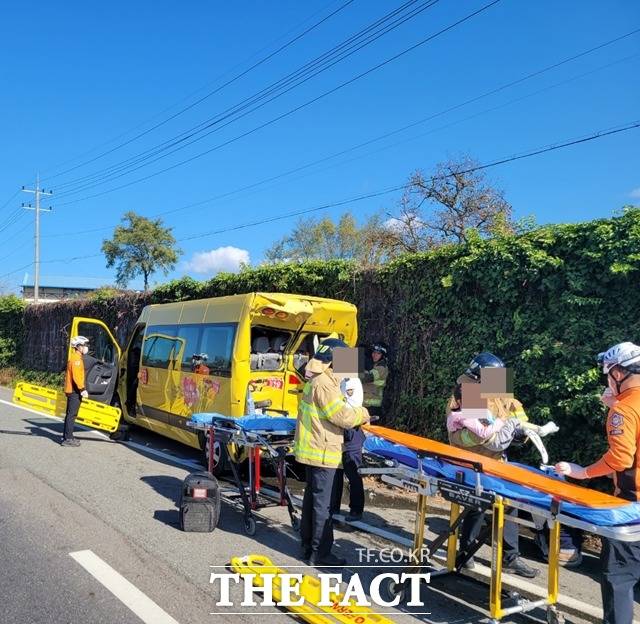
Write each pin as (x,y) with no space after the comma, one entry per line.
(199,503)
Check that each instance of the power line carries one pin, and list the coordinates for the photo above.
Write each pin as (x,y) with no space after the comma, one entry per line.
(109,177)
(495,163)
(293,110)
(501,161)
(396,131)
(13,251)
(291,81)
(390,134)
(10,200)
(209,94)
(12,219)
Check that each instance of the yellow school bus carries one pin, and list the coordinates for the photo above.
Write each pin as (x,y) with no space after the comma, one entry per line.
(211,355)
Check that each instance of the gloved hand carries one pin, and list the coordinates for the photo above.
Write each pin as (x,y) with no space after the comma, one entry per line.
(550,427)
(608,398)
(84,394)
(571,470)
(366,417)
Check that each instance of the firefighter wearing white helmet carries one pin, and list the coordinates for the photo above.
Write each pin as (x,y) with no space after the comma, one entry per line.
(74,387)
(620,560)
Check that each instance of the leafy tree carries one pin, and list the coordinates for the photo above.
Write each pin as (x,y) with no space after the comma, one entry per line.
(325,240)
(141,247)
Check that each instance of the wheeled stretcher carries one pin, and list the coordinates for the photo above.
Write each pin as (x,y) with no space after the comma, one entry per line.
(471,482)
(263,437)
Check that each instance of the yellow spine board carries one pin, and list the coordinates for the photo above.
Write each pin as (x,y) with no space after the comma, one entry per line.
(54,402)
(310,611)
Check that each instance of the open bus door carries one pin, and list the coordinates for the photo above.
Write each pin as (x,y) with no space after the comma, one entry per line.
(100,369)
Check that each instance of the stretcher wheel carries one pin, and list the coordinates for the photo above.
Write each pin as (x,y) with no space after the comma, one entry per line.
(554,616)
(295,523)
(390,590)
(250,526)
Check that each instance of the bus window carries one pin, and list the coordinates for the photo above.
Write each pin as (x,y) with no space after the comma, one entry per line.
(191,336)
(159,347)
(267,348)
(100,344)
(216,346)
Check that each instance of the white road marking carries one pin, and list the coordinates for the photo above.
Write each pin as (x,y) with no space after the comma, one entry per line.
(174,458)
(147,610)
(151,451)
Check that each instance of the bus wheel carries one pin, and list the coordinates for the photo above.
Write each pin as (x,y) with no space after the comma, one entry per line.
(219,457)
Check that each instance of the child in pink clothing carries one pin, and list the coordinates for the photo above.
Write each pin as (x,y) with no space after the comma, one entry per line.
(495,434)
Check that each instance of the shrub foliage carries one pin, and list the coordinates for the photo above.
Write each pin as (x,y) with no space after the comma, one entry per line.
(546,301)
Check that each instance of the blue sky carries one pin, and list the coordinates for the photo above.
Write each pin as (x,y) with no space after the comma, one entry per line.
(79,79)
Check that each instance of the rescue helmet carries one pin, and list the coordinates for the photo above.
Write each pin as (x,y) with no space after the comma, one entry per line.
(483,360)
(324,352)
(79,341)
(323,357)
(380,347)
(625,354)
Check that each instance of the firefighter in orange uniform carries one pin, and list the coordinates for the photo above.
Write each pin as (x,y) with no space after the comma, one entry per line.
(620,561)
(74,387)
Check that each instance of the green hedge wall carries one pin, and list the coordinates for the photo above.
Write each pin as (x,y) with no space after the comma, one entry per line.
(11,330)
(547,301)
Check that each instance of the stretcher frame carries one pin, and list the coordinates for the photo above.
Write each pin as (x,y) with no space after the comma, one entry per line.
(92,414)
(465,498)
(272,445)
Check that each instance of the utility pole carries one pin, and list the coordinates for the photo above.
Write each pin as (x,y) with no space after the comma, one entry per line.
(37,192)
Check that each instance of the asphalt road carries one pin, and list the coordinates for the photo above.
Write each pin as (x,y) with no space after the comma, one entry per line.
(91,534)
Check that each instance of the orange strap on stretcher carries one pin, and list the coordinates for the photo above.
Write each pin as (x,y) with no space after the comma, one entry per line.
(560,490)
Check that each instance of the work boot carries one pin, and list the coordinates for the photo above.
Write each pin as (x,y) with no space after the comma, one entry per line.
(469,564)
(520,568)
(326,560)
(570,557)
(305,553)
(70,442)
(353,517)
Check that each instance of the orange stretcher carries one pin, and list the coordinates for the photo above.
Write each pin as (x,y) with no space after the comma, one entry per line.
(559,490)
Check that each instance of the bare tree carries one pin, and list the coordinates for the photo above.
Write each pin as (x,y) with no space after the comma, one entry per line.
(448,206)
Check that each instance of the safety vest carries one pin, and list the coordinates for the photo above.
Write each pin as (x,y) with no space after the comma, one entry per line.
(323,415)
(373,388)
(623,435)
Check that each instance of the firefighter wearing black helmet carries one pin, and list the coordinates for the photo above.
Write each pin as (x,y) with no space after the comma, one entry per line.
(500,408)
(375,379)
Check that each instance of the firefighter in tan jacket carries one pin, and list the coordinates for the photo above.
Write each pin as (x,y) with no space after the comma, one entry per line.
(323,417)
